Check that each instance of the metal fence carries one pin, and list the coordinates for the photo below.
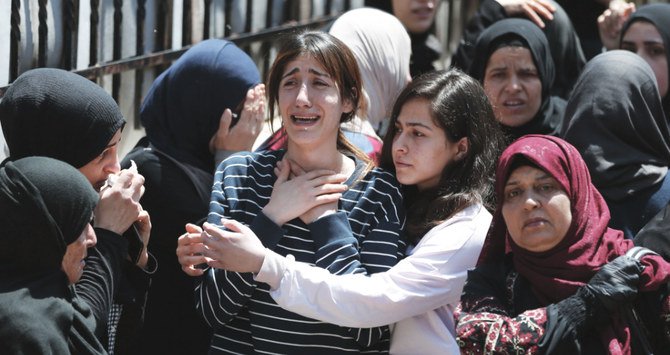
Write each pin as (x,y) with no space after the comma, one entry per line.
(124,45)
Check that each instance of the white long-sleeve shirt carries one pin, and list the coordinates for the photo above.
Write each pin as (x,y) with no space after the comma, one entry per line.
(418,294)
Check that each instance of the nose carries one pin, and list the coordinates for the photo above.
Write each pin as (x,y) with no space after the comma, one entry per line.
(513,85)
(113,166)
(91,238)
(303,96)
(530,201)
(399,143)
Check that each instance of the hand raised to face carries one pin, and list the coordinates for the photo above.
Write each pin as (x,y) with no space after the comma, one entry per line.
(243,134)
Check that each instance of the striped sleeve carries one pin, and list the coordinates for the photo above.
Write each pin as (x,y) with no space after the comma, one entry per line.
(378,217)
(221,294)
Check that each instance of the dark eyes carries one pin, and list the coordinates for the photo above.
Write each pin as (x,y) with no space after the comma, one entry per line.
(414,132)
(656,51)
(293,82)
(542,189)
(512,194)
(547,187)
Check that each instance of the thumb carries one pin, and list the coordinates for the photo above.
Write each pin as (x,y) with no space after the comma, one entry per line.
(192,228)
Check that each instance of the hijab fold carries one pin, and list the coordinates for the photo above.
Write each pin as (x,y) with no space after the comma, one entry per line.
(557,273)
(45,206)
(59,114)
(382,49)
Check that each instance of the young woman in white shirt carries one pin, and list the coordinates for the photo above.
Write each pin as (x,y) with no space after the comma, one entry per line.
(443,149)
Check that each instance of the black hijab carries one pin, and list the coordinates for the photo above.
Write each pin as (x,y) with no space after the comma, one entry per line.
(564,44)
(659,16)
(566,51)
(549,116)
(45,206)
(615,119)
(59,114)
(181,111)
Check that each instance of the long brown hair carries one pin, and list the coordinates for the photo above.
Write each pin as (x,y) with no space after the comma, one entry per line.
(340,63)
(458,104)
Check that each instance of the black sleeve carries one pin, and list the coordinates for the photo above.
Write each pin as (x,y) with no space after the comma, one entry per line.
(654,234)
(136,282)
(99,281)
(569,320)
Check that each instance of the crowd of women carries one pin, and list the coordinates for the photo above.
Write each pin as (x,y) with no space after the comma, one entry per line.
(516,203)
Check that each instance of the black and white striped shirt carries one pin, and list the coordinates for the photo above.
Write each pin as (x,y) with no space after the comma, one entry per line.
(363,236)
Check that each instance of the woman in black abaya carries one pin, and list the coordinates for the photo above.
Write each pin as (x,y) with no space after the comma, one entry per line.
(615,119)
(46,208)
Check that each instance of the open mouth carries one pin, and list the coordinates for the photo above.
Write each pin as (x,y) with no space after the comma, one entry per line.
(304,120)
(513,103)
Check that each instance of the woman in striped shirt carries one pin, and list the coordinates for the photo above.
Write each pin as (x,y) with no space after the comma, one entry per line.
(319,199)
(443,148)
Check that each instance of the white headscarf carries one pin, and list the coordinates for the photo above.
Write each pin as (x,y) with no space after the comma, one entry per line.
(382,48)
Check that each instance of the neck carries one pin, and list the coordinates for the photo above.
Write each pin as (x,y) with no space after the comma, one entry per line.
(317,157)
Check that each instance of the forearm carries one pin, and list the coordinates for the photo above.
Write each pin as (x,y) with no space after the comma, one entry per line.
(336,248)
(220,294)
(100,278)
(569,320)
(357,300)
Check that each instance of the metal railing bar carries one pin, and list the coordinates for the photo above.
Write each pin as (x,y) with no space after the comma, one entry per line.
(167,56)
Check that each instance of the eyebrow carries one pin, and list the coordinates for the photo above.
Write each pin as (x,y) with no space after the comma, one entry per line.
(414,124)
(112,144)
(660,41)
(647,42)
(496,68)
(544,176)
(310,70)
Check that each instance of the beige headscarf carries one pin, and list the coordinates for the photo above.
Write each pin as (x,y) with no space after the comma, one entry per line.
(382,48)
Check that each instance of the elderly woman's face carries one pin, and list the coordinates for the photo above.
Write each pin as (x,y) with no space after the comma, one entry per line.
(536,209)
(73,260)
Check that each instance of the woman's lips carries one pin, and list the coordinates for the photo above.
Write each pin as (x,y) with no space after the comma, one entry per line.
(534,222)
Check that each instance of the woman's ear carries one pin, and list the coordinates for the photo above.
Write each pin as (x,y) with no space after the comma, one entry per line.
(348,104)
(463,146)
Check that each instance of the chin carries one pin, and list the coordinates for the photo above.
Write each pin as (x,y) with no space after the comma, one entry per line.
(515,121)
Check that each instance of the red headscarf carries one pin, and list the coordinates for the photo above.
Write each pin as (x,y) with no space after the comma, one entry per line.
(557,273)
